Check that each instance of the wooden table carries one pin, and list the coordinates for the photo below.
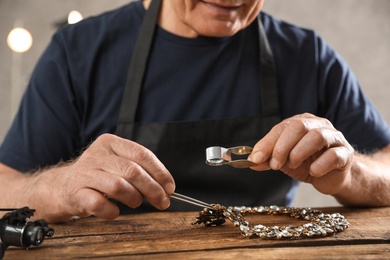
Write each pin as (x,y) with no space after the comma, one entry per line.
(170,235)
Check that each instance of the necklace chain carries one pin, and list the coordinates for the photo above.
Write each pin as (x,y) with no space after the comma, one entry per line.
(320,224)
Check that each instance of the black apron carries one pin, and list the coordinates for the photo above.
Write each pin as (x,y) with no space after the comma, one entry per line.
(181,145)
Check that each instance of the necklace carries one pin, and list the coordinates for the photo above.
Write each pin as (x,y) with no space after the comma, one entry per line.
(320,224)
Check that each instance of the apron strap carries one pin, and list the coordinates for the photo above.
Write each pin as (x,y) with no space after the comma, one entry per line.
(269,86)
(138,64)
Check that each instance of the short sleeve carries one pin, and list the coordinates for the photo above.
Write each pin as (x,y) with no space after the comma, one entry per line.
(46,127)
(344,103)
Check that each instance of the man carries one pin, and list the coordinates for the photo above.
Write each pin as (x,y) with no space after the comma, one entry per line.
(141,104)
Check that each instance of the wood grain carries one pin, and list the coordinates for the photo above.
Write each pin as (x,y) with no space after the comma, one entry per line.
(171,235)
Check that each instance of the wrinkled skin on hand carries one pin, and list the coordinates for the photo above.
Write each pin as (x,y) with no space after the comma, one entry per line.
(111,167)
(306,148)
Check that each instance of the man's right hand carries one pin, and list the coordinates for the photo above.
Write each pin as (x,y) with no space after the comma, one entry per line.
(111,167)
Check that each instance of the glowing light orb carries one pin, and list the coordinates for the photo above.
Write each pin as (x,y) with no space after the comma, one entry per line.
(74,17)
(19,40)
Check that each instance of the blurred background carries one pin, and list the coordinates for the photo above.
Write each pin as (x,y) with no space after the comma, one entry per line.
(358,29)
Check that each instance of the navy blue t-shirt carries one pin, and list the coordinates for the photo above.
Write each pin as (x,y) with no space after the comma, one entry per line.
(76,89)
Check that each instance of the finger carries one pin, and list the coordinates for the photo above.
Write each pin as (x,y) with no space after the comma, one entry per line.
(261,167)
(311,143)
(146,159)
(89,202)
(336,158)
(293,132)
(295,129)
(145,184)
(128,184)
(116,187)
(262,150)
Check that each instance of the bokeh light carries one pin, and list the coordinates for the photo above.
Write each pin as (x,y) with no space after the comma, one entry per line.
(74,17)
(19,40)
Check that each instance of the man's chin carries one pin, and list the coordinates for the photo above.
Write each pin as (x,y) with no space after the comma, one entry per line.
(219,29)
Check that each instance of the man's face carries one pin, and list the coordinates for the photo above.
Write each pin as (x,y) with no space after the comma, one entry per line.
(192,18)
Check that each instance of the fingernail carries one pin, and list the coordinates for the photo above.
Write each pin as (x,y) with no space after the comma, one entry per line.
(274,164)
(166,202)
(169,188)
(257,157)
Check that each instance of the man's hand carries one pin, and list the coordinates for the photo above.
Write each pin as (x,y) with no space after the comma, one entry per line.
(111,167)
(309,149)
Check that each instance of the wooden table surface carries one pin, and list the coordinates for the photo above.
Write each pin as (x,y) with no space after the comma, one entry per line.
(163,235)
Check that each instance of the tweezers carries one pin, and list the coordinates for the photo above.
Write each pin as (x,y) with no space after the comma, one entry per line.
(189,200)
(217,156)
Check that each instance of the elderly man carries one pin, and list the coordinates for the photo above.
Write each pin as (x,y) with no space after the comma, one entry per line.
(122,106)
